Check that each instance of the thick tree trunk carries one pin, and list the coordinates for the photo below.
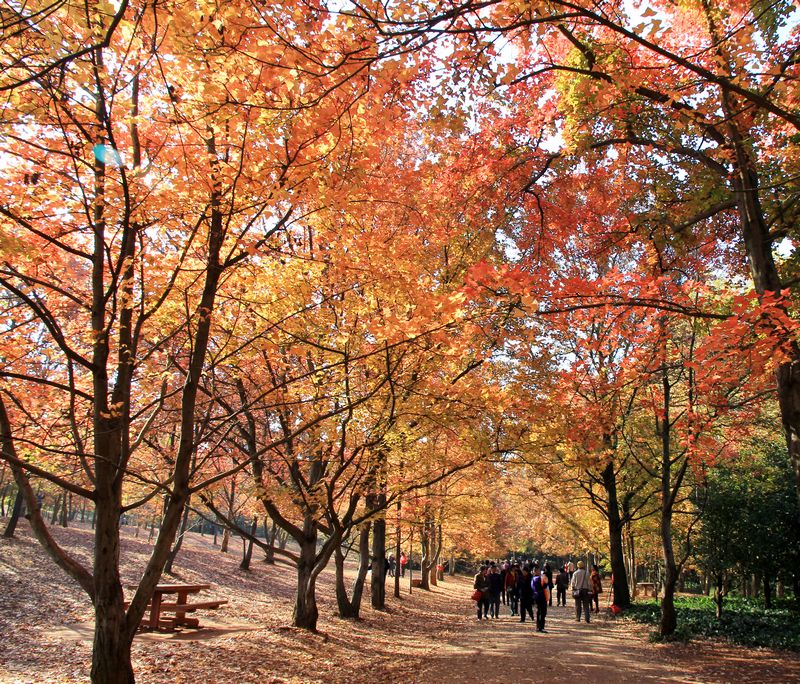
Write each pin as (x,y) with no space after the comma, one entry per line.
(306,613)
(622,595)
(111,653)
(378,582)
(669,616)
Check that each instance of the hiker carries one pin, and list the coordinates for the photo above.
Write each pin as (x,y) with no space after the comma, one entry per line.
(580,586)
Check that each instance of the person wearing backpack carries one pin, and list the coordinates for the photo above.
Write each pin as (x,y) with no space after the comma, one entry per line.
(541,596)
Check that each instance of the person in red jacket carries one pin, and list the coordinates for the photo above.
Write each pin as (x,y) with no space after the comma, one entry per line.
(403,562)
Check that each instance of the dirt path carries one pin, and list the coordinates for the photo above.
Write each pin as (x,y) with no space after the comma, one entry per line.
(422,637)
(606,650)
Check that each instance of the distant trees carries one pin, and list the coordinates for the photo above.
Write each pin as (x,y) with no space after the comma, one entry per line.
(749,525)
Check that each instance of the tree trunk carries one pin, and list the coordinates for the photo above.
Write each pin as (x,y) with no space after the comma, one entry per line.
(669,616)
(767,592)
(424,562)
(226,535)
(269,554)
(111,653)
(16,513)
(65,508)
(56,508)
(248,546)
(719,595)
(620,588)
(351,607)
(433,557)
(378,581)
(397,550)
(669,489)
(173,554)
(306,613)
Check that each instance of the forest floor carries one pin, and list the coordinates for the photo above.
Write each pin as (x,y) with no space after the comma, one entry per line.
(46,633)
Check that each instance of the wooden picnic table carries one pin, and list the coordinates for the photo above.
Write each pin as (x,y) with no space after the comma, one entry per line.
(156,620)
(648,588)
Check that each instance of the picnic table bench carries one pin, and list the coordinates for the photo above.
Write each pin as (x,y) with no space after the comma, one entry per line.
(155,619)
(648,588)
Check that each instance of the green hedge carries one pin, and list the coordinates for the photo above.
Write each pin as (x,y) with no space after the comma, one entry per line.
(744,621)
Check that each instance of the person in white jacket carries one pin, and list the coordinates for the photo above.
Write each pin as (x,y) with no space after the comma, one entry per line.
(581,588)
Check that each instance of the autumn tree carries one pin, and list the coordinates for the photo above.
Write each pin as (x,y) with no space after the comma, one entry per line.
(150,152)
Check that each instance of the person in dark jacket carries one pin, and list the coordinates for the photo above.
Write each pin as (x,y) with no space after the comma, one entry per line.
(495,589)
(541,596)
(482,584)
(562,582)
(525,593)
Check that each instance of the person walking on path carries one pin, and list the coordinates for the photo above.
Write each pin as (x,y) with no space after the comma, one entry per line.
(495,588)
(525,594)
(403,562)
(481,584)
(580,590)
(562,582)
(541,595)
(548,573)
(597,588)
(512,590)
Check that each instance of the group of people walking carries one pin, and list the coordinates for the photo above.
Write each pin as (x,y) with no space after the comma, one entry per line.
(522,586)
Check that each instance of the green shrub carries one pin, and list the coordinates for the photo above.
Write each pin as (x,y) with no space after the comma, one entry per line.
(744,621)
